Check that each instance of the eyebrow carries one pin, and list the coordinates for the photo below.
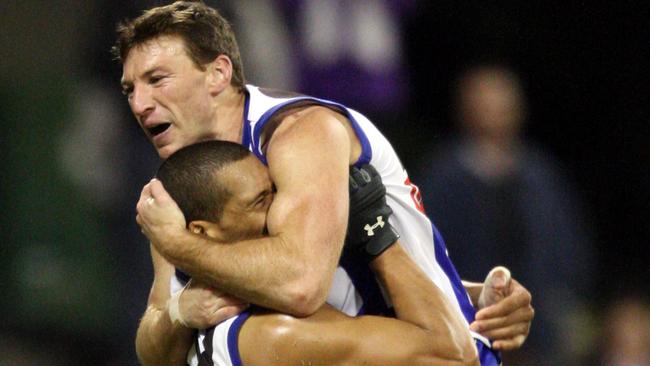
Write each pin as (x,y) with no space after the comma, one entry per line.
(127,83)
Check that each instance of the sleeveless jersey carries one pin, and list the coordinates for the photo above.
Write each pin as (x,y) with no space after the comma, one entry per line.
(355,291)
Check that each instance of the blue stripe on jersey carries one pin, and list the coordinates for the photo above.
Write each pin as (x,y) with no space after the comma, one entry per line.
(445,263)
(246,129)
(366,150)
(365,283)
(487,355)
(233,334)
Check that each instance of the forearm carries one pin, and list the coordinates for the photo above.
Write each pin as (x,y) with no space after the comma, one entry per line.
(419,301)
(329,337)
(159,342)
(267,271)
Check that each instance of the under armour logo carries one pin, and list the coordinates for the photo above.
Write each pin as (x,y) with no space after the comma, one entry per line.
(371,229)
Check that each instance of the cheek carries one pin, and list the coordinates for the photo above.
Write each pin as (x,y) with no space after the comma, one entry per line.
(195,92)
(189,99)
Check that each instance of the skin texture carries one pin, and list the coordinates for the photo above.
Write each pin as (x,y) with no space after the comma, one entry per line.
(291,269)
(300,254)
(429,331)
(171,341)
(432,332)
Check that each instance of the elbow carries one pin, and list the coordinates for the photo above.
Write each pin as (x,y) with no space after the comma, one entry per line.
(455,355)
(470,353)
(466,354)
(471,358)
(144,358)
(306,298)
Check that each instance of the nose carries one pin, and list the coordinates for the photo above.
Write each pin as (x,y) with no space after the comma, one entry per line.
(141,102)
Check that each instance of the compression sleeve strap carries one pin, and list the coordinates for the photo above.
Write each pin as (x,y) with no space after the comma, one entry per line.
(174,308)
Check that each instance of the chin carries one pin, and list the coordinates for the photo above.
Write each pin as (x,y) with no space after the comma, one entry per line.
(166,151)
(163,154)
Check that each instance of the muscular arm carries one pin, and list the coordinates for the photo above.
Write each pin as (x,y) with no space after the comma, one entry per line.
(429,331)
(290,270)
(158,341)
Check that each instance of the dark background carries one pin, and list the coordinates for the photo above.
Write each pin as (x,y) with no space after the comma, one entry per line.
(75,269)
(585,71)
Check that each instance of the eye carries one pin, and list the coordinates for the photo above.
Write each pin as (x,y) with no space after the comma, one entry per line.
(260,201)
(154,79)
(263,199)
(127,92)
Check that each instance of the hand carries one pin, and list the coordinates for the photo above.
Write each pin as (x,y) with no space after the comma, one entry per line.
(505,313)
(158,215)
(202,306)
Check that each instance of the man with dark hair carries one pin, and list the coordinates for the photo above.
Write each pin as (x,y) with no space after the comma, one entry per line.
(181,74)
(199,177)
(186,176)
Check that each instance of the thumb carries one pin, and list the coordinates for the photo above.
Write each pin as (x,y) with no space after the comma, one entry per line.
(495,286)
(157,190)
(498,278)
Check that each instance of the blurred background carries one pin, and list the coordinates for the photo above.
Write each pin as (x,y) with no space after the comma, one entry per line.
(525,125)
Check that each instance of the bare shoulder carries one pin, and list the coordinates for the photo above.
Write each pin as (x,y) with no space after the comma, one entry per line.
(310,126)
(301,119)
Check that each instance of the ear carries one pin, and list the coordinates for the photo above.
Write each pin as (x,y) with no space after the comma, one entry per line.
(220,74)
(207,228)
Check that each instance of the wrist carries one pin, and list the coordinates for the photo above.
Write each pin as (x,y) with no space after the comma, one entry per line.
(174,311)
(168,238)
(384,260)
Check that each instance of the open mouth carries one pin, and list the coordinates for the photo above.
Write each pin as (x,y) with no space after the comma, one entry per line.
(158,129)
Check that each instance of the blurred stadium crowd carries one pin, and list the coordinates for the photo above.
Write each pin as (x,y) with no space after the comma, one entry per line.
(525,126)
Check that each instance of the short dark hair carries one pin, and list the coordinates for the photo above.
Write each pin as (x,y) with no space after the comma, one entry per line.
(205,32)
(190,175)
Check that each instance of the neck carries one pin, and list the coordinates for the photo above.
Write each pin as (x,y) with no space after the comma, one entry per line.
(230,112)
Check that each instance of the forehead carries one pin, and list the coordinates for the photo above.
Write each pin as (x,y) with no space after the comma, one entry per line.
(245,179)
(161,51)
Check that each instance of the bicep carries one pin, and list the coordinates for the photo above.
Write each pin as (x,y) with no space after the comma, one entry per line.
(308,162)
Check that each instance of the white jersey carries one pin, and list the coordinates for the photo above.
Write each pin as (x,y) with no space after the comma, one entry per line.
(355,290)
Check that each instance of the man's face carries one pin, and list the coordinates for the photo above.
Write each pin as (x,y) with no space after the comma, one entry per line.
(251,189)
(168,94)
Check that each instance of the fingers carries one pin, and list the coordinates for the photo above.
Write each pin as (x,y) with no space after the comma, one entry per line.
(509,332)
(146,192)
(509,344)
(506,334)
(504,327)
(151,192)
(508,321)
(145,199)
(227,312)
(518,298)
(158,191)
(523,316)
